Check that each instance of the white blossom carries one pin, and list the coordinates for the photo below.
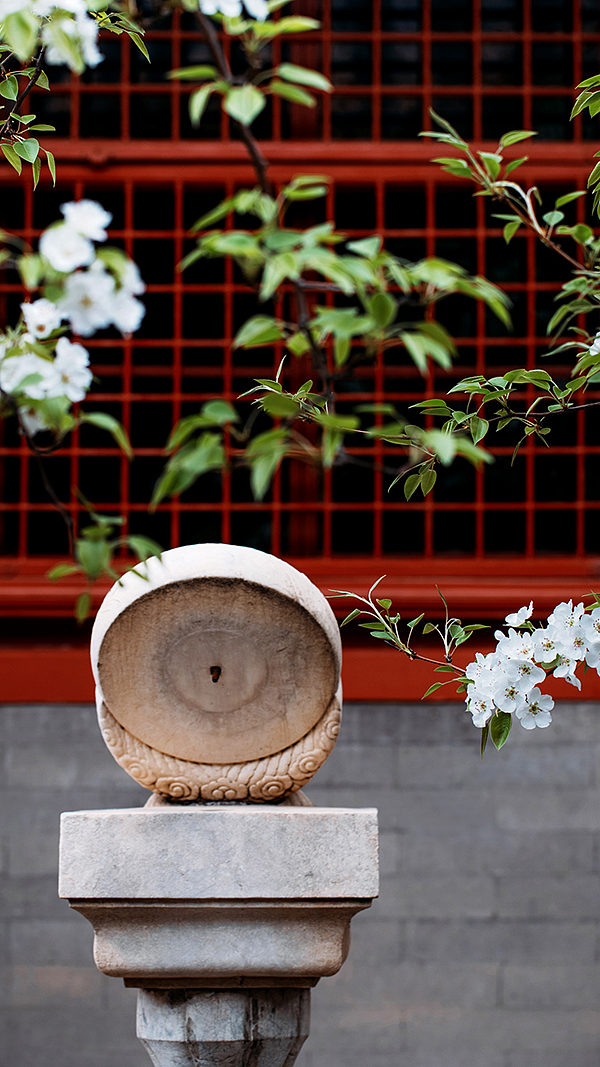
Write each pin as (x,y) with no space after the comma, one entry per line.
(65,249)
(566,669)
(127,312)
(481,708)
(72,369)
(42,317)
(595,347)
(544,645)
(88,301)
(131,279)
(82,31)
(515,645)
(15,370)
(87,218)
(9,7)
(536,710)
(32,421)
(517,618)
(257,9)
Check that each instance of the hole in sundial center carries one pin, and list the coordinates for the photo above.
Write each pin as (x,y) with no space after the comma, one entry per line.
(201,659)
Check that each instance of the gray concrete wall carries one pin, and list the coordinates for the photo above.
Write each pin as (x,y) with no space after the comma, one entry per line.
(482,949)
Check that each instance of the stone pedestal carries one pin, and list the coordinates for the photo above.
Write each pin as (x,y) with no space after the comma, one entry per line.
(226,898)
(222,916)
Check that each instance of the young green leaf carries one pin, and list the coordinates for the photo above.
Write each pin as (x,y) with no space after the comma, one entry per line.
(244,103)
(104,421)
(500,725)
(303,76)
(353,615)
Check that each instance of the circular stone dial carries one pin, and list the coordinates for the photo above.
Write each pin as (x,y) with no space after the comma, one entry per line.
(216,670)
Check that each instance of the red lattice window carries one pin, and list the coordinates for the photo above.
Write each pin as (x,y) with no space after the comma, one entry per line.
(487,67)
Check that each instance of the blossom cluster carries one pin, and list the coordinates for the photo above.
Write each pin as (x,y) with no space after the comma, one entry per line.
(69,34)
(37,363)
(257,9)
(508,679)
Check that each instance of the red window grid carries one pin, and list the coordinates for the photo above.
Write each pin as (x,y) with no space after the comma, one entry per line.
(487,66)
(548,502)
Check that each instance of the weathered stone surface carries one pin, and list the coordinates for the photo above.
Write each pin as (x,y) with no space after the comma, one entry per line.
(204,853)
(264,1028)
(214,893)
(218,676)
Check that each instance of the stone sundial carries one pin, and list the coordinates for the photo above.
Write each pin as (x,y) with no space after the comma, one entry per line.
(218,676)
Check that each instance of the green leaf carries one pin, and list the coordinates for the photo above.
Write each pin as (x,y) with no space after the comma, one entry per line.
(411,485)
(385,603)
(432,689)
(93,555)
(197,103)
(9,88)
(514,136)
(83,607)
(367,246)
(383,308)
(415,622)
(353,615)
(429,627)
(479,428)
(279,406)
(566,199)
(197,73)
(510,230)
(293,93)
(257,331)
(244,104)
(139,44)
(21,31)
(186,466)
(104,421)
(144,547)
(304,76)
(491,162)
(553,217)
(514,163)
(500,725)
(36,168)
(62,570)
(51,165)
(219,412)
(290,24)
(27,150)
(12,157)
(485,732)
(428,480)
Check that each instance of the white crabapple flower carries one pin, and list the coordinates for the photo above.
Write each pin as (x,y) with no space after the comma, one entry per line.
(42,317)
(126,312)
(88,218)
(517,618)
(17,369)
(82,31)
(590,625)
(535,711)
(88,300)
(515,646)
(65,249)
(72,369)
(595,346)
(257,9)
(482,708)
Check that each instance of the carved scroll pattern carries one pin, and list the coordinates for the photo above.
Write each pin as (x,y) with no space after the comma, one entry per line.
(258,780)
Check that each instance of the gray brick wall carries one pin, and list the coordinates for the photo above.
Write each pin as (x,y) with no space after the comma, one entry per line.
(482,949)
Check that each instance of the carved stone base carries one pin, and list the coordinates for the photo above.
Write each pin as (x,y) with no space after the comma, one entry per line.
(223,1028)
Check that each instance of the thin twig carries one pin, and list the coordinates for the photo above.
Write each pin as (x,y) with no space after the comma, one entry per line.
(33,78)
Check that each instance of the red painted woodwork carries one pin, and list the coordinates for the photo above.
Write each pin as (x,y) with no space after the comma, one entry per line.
(490,539)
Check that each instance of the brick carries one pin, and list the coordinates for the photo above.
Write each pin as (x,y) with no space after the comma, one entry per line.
(546,809)
(502,942)
(377,941)
(533,1058)
(493,851)
(38,942)
(371,765)
(448,897)
(552,987)
(549,898)
(452,766)
(505,1030)
(34,986)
